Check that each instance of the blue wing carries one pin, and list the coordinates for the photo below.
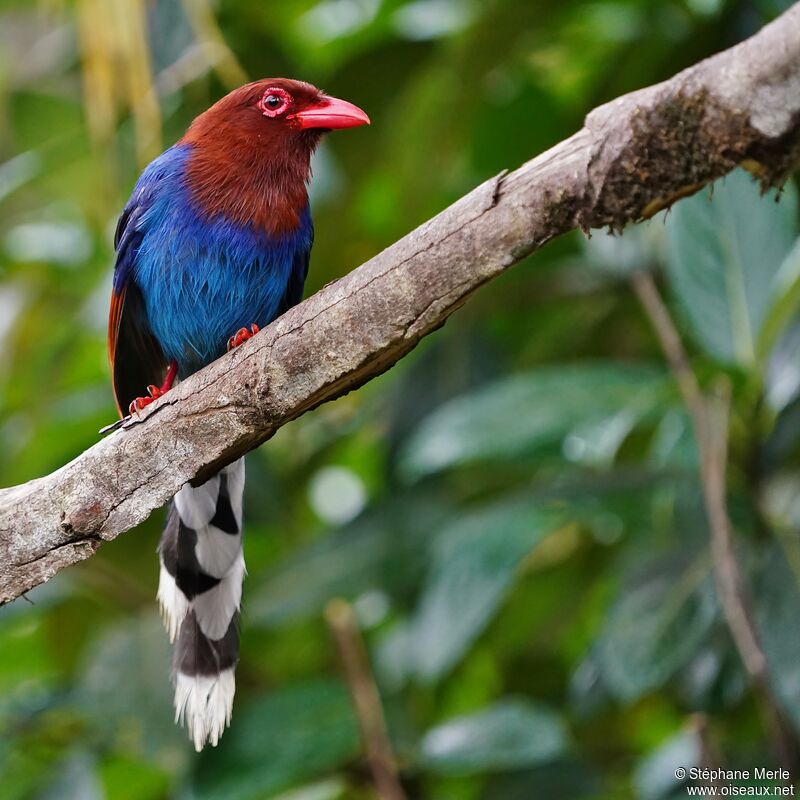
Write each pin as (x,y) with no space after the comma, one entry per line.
(297,278)
(135,355)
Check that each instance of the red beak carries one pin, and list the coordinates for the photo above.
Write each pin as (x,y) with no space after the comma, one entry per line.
(331,113)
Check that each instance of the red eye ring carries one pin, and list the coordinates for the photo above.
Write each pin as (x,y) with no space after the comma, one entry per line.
(274,102)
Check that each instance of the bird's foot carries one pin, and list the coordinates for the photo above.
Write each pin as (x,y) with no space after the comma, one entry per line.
(154,392)
(242,335)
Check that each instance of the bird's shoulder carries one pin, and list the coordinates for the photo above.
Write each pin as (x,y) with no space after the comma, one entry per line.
(158,186)
(162,176)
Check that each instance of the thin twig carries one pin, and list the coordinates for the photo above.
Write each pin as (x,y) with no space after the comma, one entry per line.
(709,415)
(671,344)
(709,756)
(366,699)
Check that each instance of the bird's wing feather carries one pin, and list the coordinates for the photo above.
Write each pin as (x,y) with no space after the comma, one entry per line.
(135,355)
(297,278)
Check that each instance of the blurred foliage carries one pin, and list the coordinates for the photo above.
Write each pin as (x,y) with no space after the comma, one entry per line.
(513,510)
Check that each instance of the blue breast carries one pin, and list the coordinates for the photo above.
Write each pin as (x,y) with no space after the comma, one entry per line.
(202,279)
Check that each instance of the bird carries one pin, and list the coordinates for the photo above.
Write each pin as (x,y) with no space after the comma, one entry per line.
(213,245)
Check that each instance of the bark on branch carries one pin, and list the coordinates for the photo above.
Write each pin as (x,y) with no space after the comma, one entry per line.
(633,156)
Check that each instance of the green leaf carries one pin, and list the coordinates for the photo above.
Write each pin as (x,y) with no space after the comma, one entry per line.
(331,789)
(785,301)
(714,678)
(385,549)
(637,248)
(288,737)
(565,779)
(77,780)
(654,778)
(782,381)
(674,444)
(655,627)
(724,256)
(125,778)
(586,409)
(24,633)
(777,607)
(474,564)
(138,720)
(510,734)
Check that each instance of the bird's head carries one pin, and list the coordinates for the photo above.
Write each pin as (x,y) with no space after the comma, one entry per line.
(276,112)
(251,151)
(300,106)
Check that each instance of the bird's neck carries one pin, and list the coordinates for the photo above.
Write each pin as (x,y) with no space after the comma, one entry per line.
(257,183)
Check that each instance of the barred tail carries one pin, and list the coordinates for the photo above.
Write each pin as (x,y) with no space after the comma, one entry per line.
(200,592)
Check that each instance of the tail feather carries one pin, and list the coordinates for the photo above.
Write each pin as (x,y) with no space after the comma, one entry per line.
(204,680)
(204,704)
(216,608)
(200,591)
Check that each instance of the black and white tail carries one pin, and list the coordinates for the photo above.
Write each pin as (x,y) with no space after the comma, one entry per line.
(200,592)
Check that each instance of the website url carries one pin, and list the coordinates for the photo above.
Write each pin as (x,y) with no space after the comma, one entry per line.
(740,791)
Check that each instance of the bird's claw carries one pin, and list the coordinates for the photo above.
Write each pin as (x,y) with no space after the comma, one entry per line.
(154,391)
(139,403)
(242,335)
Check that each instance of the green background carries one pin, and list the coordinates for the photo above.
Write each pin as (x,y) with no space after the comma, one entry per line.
(513,510)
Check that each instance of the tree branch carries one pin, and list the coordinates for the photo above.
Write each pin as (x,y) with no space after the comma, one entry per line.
(633,156)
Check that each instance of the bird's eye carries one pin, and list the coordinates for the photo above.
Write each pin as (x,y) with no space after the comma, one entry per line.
(274,102)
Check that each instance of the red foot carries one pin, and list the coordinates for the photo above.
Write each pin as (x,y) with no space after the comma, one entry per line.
(154,391)
(242,335)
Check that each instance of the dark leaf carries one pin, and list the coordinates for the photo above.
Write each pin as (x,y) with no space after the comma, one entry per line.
(511,734)
(655,626)
(586,409)
(474,565)
(287,737)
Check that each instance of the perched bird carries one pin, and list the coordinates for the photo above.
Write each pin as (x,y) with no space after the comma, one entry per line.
(213,244)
